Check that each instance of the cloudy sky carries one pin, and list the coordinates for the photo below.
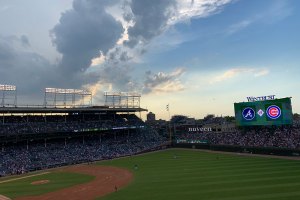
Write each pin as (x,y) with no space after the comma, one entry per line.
(198,56)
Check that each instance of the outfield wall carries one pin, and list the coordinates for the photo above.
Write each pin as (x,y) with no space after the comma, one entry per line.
(241,149)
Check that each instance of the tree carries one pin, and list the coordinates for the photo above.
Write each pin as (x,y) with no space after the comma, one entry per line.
(208,117)
(296,116)
(229,118)
(177,119)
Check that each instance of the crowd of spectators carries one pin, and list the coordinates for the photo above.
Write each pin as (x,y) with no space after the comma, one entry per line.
(278,138)
(124,135)
(38,124)
(21,158)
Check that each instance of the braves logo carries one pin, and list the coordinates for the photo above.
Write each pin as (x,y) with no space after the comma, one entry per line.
(248,113)
(273,112)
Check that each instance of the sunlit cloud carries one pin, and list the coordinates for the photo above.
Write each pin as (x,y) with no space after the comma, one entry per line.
(262,72)
(235,72)
(164,82)
(98,61)
(188,9)
(169,87)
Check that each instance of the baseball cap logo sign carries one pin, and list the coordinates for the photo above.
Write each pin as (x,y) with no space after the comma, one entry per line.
(248,113)
(273,112)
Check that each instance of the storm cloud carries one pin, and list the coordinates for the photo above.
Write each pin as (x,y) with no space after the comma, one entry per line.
(83,33)
(90,29)
(22,67)
(150,20)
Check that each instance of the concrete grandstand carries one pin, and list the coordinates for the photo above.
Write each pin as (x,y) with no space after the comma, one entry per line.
(41,137)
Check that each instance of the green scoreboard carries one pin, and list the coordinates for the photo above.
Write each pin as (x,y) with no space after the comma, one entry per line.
(264,113)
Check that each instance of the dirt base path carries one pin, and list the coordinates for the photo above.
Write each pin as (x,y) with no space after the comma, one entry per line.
(2,197)
(106,180)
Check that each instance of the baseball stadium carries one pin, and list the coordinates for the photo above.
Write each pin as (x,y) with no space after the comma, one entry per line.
(68,148)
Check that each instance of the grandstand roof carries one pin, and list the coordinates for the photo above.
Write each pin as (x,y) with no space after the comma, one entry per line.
(92,109)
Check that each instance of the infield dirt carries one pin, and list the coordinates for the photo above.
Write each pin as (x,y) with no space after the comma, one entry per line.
(107,180)
(2,197)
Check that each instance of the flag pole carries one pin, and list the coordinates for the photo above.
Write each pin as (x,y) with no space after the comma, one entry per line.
(170,134)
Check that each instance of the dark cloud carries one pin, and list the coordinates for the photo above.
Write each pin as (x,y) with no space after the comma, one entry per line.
(82,34)
(124,57)
(150,19)
(116,71)
(29,71)
(85,32)
(6,52)
(25,41)
(127,14)
(117,56)
(119,76)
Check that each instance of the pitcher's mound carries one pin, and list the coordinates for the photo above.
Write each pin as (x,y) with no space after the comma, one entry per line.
(39,182)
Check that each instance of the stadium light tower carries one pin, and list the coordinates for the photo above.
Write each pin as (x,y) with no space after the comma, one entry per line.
(122,99)
(9,95)
(59,97)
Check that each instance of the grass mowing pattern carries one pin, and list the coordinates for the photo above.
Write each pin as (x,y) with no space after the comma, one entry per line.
(58,180)
(210,176)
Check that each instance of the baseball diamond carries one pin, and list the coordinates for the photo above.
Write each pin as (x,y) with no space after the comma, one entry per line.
(192,174)
(149,100)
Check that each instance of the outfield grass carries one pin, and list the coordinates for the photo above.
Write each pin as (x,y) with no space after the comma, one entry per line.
(210,176)
(58,180)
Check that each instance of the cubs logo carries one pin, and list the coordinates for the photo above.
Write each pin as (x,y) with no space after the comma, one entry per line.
(273,112)
(248,113)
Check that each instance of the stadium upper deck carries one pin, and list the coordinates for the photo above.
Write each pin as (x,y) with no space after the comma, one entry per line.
(44,110)
(58,100)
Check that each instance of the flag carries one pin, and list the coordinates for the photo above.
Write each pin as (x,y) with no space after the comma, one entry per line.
(167,107)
